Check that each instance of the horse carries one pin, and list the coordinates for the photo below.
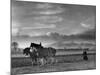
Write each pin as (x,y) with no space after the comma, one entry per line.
(33,54)
(45,53)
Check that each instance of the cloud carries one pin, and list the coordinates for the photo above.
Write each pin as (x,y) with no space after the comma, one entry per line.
(48,19)
(48,9)
(40,26)
(44,6)
(50,12)
(88,35)
(32,34)
(89,23)
(59,40)
(85,25)
(15,31)
(15,28)
(64,41)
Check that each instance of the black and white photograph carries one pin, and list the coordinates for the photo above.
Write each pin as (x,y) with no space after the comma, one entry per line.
(52,37)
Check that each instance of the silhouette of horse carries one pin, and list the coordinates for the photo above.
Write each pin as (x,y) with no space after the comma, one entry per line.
(46,53)
(32,53)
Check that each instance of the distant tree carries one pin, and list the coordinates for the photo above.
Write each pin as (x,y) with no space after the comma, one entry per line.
(15,45)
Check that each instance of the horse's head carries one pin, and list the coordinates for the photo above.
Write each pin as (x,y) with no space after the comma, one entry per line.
(26,51)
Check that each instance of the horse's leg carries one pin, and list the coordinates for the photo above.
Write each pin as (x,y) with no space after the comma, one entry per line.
(45,60)
(35,59)
(42,61)
(52,60)
(32,62)
(38,61)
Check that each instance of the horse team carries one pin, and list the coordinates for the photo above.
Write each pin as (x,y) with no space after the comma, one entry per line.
(40,55)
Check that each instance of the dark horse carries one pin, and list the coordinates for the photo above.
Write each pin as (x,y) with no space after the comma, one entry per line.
(45,53)
(33,54)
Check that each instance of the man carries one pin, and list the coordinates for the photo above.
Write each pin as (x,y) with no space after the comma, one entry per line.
(85,57)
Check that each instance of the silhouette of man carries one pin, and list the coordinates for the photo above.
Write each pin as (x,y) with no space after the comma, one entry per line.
(85,57)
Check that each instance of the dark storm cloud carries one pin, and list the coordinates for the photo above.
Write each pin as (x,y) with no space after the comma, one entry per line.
(88,35)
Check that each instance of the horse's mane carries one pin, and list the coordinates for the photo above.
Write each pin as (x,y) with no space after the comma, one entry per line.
(36,45)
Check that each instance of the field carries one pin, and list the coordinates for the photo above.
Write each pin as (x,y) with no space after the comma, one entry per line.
(69,62)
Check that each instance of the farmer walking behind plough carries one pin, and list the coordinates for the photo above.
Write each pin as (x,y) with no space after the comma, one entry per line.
(85,57)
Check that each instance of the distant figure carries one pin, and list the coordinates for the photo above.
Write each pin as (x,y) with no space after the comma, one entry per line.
(85,57)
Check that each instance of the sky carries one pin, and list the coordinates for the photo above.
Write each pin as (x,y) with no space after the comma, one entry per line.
(36,19)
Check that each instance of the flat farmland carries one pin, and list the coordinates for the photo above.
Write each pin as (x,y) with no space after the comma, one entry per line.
(65,62)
